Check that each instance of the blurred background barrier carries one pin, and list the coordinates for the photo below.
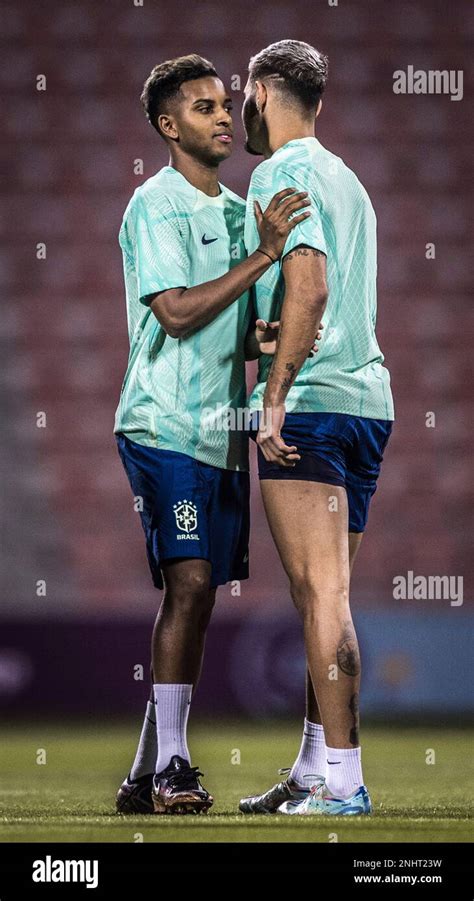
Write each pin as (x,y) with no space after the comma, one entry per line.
(254,667)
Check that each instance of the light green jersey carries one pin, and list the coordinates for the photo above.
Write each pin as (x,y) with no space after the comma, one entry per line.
(346,375)
(176,391)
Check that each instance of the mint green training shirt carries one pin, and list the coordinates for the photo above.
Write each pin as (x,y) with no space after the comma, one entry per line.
(346,375)
(176,390)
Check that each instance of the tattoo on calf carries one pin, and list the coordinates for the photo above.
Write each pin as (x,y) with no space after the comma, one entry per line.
(354,709)
(348,651)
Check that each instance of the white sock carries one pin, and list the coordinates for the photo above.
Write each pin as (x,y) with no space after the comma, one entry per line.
(344,771)
(172,711)
(145,757)
(311,760)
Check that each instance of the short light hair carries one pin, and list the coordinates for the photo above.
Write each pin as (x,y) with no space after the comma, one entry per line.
(295,67)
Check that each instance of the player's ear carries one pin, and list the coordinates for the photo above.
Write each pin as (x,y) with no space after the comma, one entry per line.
(167,126)
(260,96)
(318,109)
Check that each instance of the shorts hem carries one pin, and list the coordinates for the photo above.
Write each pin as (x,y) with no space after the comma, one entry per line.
(303,477)
(224,580)
(216,579)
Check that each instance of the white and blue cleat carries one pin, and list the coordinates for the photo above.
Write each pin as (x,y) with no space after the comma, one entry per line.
(320,802)
(287,794)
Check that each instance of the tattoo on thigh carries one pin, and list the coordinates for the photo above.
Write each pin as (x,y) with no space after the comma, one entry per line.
(348,651)
(354,709)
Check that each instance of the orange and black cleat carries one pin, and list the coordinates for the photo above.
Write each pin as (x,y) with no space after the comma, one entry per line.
(134,795)
(177,789)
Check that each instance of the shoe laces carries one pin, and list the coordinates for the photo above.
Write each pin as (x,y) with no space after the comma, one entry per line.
(316,789)
(185,778)
(287,769)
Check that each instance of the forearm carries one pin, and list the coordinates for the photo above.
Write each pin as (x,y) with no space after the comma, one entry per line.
(299,323)
(198,306)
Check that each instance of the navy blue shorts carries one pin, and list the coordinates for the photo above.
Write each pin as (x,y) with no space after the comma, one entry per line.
(336,449)
(190,509)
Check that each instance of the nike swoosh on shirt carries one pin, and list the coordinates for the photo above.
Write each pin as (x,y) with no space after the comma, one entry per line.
(208,240)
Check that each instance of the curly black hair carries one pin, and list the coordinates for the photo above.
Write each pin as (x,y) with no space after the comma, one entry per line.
(166,79)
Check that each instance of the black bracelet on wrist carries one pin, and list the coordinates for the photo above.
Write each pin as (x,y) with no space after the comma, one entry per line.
(266,254)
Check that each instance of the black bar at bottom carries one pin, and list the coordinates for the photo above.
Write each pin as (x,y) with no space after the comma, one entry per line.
(63,870)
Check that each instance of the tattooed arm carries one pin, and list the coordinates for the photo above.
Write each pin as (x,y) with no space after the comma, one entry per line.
(304,271)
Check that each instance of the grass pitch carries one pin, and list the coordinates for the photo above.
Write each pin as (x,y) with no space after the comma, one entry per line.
(70,798)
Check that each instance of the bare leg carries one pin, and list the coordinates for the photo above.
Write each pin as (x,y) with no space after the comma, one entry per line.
(312,709)
(177,643)
(312,542)
(179,632)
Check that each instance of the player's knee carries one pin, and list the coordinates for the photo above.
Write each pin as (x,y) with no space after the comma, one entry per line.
(312,595)
(191,595)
